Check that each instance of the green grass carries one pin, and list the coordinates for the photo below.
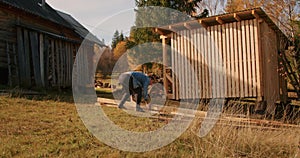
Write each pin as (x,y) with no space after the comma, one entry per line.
(49,126)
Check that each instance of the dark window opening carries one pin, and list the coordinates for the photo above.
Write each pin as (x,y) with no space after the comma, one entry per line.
(4,76)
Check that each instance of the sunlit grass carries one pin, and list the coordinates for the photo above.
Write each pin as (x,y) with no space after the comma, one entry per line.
(49,126)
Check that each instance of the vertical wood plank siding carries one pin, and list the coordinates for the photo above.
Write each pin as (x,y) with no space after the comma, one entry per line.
(39,60)
(225,59)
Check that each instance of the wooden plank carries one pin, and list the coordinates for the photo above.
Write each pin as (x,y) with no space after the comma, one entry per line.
(220,63)
(172,65)
(9,65)
(62,63)
(253,56)
(245,66)
(228,71)
(71,63)
(62,66)
(210,64)
(67,56)
(67,63)
(181,64)
(224,71)
(46,63)
(17,77)
(257,58)
(206,63)
(270,67)
(249,67)
(58,62)
(34,42)
(53,63)
(213,62)
(165,61)
(236,61)
(199,61)
(185,90)
(196,61)
(240,59)
(216,89)
(42,59)
(194,85)
(27,65)
(207,60)
(232,61)
(178,42)
(188,64)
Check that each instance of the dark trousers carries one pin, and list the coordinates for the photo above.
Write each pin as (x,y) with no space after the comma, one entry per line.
(135,91)
(129,90)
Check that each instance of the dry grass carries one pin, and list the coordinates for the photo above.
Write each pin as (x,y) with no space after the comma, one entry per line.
(47,127)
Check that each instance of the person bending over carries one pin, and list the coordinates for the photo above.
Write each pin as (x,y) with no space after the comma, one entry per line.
(134,83)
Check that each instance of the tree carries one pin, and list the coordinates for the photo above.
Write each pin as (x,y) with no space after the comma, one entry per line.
(214,6)
(282,12)
(235,5)
(119,50)
(118,37)
(143,35)
(105,64)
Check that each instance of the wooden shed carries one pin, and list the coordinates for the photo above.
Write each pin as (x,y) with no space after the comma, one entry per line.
(244,46)
(38,44)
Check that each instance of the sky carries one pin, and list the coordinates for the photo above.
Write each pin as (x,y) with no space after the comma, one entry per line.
(101,17)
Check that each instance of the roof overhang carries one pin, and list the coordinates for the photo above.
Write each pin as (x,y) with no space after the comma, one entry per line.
(255,13)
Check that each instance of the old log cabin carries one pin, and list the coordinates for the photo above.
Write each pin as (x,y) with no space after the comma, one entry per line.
(234,55)
(38,44)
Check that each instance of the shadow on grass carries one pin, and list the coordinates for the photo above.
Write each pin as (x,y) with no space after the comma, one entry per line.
(104,93)
(63,95)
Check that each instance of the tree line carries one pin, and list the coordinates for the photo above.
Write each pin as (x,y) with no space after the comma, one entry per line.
(285,14)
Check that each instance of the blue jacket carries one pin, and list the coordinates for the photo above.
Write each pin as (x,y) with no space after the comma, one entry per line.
(139,79)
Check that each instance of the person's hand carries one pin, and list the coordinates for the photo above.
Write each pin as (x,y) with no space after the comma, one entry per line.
(147,100)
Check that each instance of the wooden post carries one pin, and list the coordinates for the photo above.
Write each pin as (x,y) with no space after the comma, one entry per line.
(165,61)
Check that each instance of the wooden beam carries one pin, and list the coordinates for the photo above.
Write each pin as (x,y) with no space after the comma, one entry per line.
(173,28)
(165,61)
(169,78)
(236,17)
(203,23)
(255,14)
(186,25)
(160,31)
(219,20)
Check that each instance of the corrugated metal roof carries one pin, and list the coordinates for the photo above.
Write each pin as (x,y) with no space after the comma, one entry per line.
(79,29)
(35,7)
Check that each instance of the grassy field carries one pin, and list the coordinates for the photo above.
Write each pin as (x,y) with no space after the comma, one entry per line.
(49,126)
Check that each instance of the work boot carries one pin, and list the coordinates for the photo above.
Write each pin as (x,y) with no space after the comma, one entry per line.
(121,107)
(139,109)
